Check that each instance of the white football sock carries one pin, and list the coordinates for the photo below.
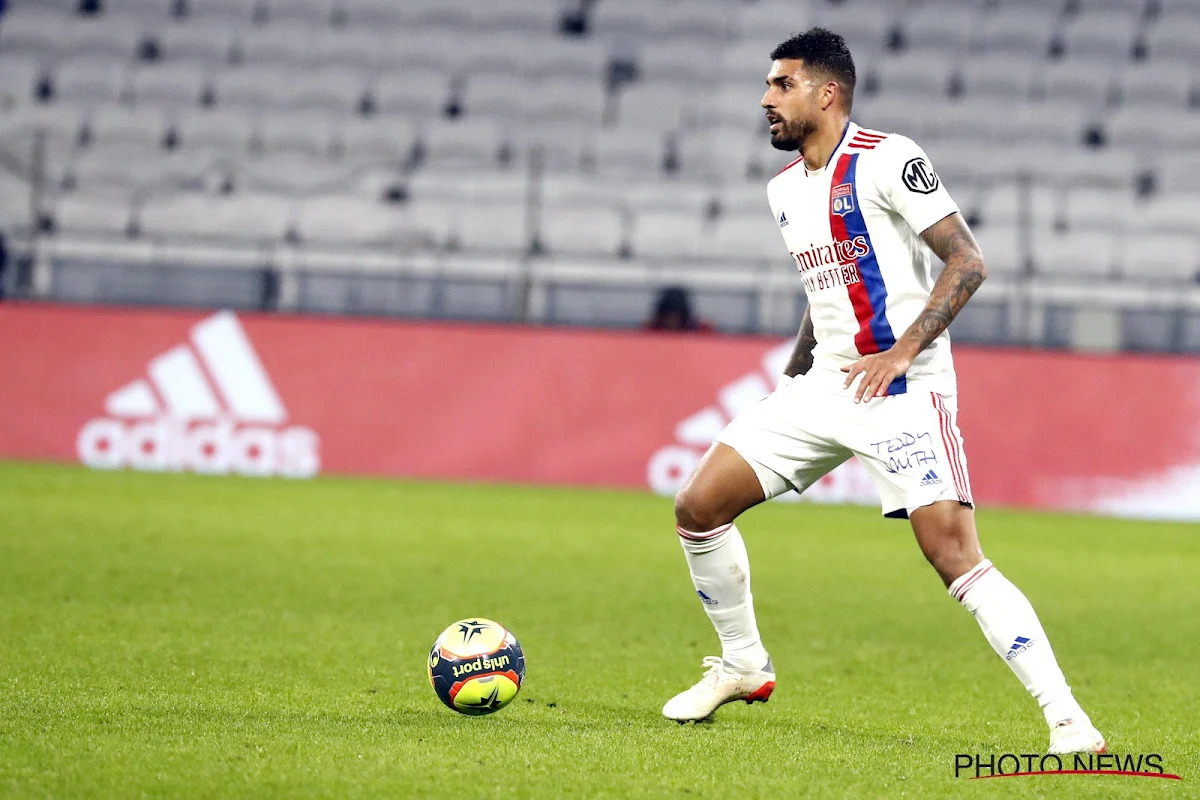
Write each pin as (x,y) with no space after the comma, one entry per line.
(720,571)
(1011,626)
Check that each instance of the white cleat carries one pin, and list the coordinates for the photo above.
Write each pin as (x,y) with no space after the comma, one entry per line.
(1070,736)
(721,684)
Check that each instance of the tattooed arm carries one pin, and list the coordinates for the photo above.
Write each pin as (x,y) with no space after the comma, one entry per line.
(951,239)
(802,356)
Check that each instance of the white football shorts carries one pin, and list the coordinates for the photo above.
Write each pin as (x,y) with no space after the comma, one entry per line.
(909,443)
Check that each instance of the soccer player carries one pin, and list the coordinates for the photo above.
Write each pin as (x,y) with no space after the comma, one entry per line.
(871,376)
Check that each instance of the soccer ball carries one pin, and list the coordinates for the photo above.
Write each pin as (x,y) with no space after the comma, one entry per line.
(476,666)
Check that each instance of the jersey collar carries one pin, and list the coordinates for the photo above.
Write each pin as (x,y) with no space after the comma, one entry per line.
(847,134)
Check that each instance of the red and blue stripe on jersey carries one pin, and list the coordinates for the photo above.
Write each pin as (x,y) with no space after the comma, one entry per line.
(868,297)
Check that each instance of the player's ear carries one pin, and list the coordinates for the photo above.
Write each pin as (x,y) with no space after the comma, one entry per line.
(828,96)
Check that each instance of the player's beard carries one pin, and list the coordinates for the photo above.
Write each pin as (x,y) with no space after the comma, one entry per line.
(792,135)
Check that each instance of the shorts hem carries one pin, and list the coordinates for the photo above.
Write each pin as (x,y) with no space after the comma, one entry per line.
(773,484)
(902,513)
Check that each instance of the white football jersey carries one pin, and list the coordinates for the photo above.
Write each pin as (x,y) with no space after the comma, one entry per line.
(853,228)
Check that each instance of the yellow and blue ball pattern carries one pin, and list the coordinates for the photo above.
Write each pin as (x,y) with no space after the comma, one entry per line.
(476,666)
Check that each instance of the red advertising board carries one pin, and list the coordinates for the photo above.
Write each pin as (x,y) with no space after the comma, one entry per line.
(294,396)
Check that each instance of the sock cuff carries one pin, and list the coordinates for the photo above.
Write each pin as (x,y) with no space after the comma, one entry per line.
(706,542)
(704,536)
(958,590)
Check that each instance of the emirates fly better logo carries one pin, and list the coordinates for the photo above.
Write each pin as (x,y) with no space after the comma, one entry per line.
(205,406)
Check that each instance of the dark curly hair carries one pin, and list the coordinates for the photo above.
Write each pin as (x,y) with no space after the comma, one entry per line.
(823,51)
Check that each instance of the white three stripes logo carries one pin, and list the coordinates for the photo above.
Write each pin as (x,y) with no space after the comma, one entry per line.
(178,377)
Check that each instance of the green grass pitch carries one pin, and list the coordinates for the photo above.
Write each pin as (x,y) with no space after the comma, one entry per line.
(170,635)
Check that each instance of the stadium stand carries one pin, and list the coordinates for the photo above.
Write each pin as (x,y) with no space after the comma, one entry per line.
(617,139)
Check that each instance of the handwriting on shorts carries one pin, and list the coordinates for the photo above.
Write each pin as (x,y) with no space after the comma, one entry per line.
(906,450)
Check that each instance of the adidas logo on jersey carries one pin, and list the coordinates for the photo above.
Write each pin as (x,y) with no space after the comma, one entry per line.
(930,479)
(783,221)
(207,406)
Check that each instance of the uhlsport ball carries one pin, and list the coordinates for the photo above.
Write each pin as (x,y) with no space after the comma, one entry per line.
(476,666)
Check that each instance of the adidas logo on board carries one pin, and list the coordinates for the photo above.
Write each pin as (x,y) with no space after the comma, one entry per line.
(205,406)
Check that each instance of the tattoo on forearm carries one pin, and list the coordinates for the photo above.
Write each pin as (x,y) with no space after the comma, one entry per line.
(963,275)
(802,355)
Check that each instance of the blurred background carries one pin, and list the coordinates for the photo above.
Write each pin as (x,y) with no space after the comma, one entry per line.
(564,161)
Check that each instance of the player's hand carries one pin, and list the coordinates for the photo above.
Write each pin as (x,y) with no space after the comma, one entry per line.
(878,371)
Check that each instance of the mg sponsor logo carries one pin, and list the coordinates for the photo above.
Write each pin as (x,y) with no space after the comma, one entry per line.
(672,463)
(206,406)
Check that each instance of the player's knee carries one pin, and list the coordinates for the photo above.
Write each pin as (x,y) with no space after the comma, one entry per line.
(696,512)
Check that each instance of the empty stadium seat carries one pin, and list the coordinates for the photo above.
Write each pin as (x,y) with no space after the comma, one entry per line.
(1165,213)
(449,14)
(582,231)
(277,43)
(111,35)
(178,85)
(224,130)
(1161,83)
(253,88)
(1076,253)
(1173,128)
(1022,31)
(308,13)
(999,76)
(20,75)
(865,24)
(668,233)
(1106,35)
(345,47)
(289,173)
(627,19)
(1173,37)
(972,118)
(467,143)
(207,43)
(33,30)
(335,90)
(92,82)
(766,23)
(651,194)
(652,107)
(893,115)
(1075,84)
(232,13)
(146,128)
(308,133)
(1164,255)
(485,226)
(374,138)
(1173,174)
(558,57)
(629,152)
(1001,248)
(417,94)
(515,15)
(923,77)
(475,186)
(98,214)
(939,28)
(1003,205)
(1100,209)
(261,219)
(340,220)
(747,236)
